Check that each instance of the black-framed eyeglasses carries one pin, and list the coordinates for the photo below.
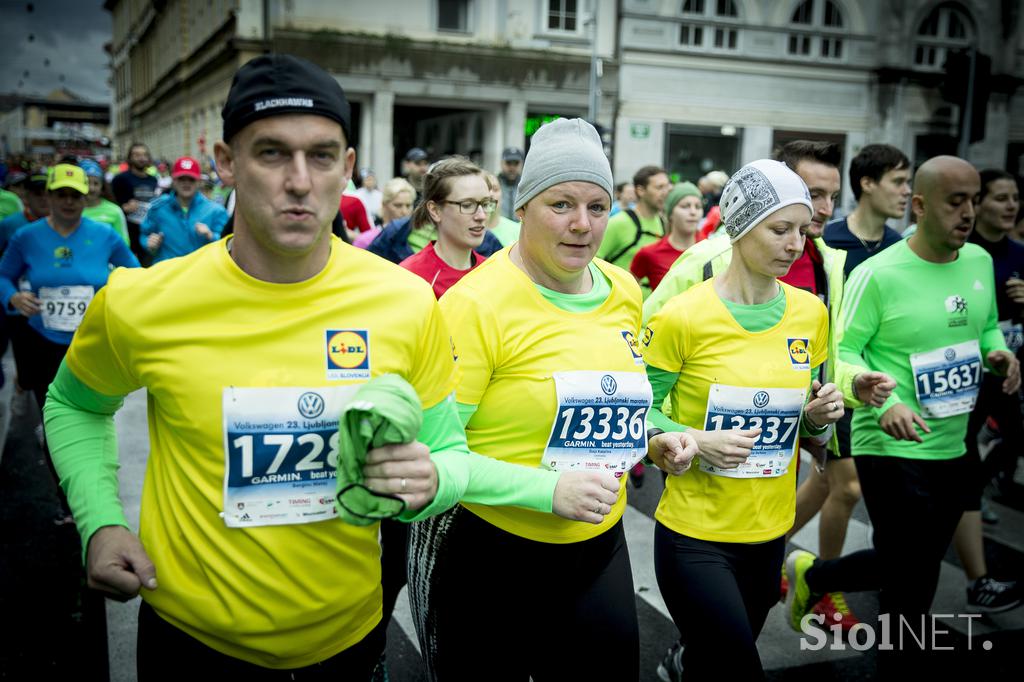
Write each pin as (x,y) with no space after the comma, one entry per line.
(470,206)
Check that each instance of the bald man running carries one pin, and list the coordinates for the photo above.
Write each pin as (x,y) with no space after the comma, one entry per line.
(910,451)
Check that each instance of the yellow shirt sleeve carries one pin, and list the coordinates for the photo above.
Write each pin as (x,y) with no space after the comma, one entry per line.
(665,339)
(92,355)
(475,343)
(434,377)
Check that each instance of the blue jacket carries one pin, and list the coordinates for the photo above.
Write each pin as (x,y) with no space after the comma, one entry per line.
(178,227)
(393,242)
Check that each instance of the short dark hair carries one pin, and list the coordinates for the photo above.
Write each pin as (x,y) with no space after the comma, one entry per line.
(133,145)
(991,175)
(644,175)
(821,151)
(874,161)
(619,186)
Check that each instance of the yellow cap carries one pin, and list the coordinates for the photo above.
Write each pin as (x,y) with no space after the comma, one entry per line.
(67,175)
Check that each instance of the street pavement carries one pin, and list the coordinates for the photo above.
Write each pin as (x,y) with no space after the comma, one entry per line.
(53,627)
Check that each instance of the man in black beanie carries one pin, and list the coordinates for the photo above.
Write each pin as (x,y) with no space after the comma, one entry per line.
(250,349)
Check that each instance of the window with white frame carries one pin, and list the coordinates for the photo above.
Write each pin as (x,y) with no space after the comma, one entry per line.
(454,15)
(818,30)
(709,25)
(564,16)
(947,27)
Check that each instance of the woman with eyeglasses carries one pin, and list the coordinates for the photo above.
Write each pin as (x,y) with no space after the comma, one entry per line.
(457,201)
(402,238)
(66,258)
(551,378)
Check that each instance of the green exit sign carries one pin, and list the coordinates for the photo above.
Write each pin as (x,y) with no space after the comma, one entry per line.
(640,131)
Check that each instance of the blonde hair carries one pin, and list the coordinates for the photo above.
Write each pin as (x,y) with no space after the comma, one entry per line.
(396,186)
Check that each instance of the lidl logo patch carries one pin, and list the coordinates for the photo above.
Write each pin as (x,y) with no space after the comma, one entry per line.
(799,355)
(348,354)
(634,348)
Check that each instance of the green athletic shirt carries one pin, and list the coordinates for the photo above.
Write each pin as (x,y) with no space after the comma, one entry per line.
(507,231)
(621,232)
(898,304)
(421,236)
(111,214)
(9,204)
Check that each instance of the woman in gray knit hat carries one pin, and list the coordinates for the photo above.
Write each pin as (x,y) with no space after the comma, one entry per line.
(551,377)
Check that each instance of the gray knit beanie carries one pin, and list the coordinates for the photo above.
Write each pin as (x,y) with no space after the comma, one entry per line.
(564,150)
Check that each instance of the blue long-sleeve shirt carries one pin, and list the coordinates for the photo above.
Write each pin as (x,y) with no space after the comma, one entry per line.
(83,258)
(178,227)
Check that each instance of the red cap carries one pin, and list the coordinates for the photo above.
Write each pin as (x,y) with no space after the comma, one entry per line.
(186,166)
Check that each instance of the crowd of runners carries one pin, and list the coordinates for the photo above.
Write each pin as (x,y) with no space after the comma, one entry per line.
(327,427)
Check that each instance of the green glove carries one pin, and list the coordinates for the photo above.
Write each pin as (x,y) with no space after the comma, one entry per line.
(384,411)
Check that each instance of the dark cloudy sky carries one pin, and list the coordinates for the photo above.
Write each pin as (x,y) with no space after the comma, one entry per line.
(68,33)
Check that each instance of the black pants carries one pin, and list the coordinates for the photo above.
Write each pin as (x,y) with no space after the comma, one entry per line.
(394,557)
(166,653)
(490,605)
(38,363)
(719,595)
(1006,410)
(915,506)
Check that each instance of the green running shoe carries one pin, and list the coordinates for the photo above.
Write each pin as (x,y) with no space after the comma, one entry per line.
(799,600)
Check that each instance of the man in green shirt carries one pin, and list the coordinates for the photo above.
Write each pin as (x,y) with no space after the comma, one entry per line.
(933,339)
(9,202)
(631,230)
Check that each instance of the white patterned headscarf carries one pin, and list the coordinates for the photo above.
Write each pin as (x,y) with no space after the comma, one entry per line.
(756,191)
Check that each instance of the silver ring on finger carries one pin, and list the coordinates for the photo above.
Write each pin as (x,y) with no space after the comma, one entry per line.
(404,482)
(834,406)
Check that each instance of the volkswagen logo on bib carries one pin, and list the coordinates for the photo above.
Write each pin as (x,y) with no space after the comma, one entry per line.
(311,405)
(608,384)
(65,292)
(950,354)
(761,399)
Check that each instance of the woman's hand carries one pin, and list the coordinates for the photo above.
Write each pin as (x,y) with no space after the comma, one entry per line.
(826,407)
(725,449)
(672,452)
(26,303)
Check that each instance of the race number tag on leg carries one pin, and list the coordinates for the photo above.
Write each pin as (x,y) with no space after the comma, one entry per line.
(281,454)
(776,411)
(601,422)
(947,379)
(63,307)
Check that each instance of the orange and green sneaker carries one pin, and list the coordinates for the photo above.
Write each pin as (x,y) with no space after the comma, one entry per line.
(834,609)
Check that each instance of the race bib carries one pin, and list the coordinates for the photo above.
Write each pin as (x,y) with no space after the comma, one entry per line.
(63,307)
(601,421)
(776,411)
(281,454)
(1013,332)
(947,379)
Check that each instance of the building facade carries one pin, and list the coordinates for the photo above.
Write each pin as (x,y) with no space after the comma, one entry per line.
(451,76)
(716,83)
(57,124)
(693,85)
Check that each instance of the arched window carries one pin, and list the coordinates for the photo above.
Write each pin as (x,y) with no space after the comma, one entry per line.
(819,30)
(947,27)
(709,25)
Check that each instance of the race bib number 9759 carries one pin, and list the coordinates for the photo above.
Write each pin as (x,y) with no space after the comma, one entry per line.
(64,307)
